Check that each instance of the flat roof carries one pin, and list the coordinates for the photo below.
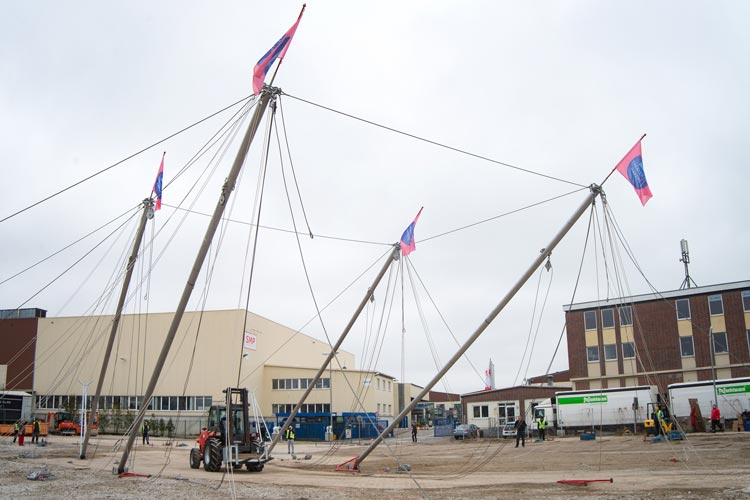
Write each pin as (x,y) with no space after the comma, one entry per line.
(686,292)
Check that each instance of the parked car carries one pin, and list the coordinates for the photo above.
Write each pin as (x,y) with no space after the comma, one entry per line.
(467,431)
(508,430)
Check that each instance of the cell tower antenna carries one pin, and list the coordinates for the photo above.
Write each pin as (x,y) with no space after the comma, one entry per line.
(686,260)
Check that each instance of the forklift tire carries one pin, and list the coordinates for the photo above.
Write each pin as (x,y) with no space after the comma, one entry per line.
(212,455)
(195,458)
(254,467)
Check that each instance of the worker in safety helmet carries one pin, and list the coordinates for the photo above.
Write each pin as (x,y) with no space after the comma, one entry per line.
(541,424)
(290,439)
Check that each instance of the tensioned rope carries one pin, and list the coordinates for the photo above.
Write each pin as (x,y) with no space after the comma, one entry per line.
(143,150)
(434,143)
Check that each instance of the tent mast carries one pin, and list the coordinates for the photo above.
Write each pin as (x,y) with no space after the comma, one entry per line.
(266,95)
(546,252)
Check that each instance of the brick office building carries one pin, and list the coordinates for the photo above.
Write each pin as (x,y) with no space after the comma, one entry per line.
(660,339)
(18,333)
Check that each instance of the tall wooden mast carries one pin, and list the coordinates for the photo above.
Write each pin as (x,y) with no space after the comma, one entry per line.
(266,96)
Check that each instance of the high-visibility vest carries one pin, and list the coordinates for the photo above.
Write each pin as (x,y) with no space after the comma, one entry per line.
(16,427)
(289,433)
(541,424)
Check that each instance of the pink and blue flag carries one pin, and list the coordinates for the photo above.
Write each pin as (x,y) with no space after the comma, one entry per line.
(631,167)
(278,51)
(408,245)
(158,183)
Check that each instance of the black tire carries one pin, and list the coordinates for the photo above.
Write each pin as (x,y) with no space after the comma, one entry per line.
(195,458)
(254,467)
(212,455)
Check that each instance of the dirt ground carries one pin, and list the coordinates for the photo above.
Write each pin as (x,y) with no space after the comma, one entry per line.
(706,466)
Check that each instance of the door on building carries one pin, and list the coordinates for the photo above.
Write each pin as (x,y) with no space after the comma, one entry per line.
(506,413)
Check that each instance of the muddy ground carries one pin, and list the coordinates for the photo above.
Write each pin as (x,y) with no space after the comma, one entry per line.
(706,466)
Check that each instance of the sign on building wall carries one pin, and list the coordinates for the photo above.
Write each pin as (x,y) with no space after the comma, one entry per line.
(250,341)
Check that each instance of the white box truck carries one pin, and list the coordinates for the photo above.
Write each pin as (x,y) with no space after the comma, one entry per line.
(733,395)
(605,409)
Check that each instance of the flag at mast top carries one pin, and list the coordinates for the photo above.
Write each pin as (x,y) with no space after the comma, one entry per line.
(278,51)
(631,167)
(158,183)
(407,243)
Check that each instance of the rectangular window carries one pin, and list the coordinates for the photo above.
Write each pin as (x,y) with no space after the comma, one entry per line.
(720,342)
(481,411)
(592,353)
(687,348)
(295,383)
(715,305)
(628,350)
(626,316)
(746,300)
(589,320)
(608,318)
(610,352)
(683,308)
(275,384)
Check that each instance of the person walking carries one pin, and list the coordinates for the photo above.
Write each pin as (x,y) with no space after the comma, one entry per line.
(16,428)
(520,428)
(144,431)
(22,433)
(35,432)
(414,432)
(716,419)
(541,424)
(290,439)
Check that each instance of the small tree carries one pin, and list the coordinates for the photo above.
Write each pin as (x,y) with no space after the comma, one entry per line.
(128,419)
(117,418)
(161,426)
(153,424)
(103,422)
(170,428)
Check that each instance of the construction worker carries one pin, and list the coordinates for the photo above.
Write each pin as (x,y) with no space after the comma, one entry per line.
(660,420)
(541,424)
(290,439)
(144,430)
(716,419)
(16,428)
(35,431)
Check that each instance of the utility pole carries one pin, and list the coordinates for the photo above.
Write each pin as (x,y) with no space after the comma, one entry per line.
(595,191)
(267,94)
(148,213)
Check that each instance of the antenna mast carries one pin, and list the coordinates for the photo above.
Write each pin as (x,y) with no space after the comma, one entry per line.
(686,260)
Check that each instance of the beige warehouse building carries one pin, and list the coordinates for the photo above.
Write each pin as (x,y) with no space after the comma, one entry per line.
(208,354)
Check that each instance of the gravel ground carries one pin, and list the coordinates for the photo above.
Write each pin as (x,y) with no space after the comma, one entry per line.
(706,466)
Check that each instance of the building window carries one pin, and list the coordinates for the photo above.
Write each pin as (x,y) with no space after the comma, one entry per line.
(746,300)
(608,318)
(686,347)
(683,308)
(589,320)
(715,306)
(720,342)
(628,350)
(592,353)
(481,411)
(610,352)
(626,316)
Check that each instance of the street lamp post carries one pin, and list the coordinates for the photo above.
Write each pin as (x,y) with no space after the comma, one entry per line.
(330,392)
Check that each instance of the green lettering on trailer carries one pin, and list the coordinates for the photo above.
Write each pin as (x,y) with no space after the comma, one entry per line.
(733,389)
(580,400)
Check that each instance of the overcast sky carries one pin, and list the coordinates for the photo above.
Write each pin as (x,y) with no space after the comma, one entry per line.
(560,88)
